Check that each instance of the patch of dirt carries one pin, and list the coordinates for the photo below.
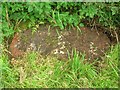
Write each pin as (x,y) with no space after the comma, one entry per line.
(48,40)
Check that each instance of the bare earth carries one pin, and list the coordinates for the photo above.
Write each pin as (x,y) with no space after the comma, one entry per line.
(52,41)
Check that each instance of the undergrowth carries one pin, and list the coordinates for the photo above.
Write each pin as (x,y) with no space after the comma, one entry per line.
(33,71)
(59,14)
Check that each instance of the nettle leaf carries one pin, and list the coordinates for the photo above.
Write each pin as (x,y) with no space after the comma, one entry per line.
(6,30)
(40,11)
(81,25)
(16,16)
(16,7)
(41,5)
(70,20)
(76,22)
(91,11)
(59,21)
(65,23)
(32,18)
(30,9)
(114,10)
(75,19)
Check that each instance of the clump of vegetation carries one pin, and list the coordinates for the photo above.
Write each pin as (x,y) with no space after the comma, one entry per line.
(33,71)
(59,14)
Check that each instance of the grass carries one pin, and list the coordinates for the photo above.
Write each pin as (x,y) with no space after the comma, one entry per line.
(33,71)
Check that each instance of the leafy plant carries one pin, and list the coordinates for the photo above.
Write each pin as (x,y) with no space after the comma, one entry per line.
(45,72)
(58,13)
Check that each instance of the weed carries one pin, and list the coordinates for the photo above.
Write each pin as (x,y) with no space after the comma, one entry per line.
(65,13)
(38,72)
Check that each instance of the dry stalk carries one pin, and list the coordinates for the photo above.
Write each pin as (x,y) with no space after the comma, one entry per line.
(7,17)
(17,23)
(116,35)
(52,18)
(22,75)
(7,51)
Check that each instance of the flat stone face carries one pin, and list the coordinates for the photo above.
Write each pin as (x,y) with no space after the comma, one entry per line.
(52,41)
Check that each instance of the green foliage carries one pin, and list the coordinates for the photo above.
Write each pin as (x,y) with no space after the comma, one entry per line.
(58,13)
(108,14)
(38,72)
(109,76)
(13,13)
(7,76)
(51,72)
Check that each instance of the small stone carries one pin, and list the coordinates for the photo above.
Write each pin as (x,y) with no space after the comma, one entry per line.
(63,42)
(59,43)
(61,68)
(50,72)
(60,37)
(15,45)
(56,51)
(92,43)
(94,53)
(13,58)
(61,52)
(62,47)
(32,45)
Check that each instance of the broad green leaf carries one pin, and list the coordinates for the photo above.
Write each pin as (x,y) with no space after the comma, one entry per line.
(30,9)
(81,25)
